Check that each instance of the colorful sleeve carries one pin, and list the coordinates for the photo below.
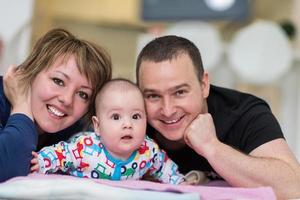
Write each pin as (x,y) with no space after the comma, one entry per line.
(163,168)
(61,156)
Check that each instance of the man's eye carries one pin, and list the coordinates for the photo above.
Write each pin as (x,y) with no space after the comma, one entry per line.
(180,92)
(57,81)
(152,96)
(83,95)
(115,116)
(136,116)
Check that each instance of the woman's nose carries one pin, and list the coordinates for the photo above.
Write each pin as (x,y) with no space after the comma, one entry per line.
(66,98)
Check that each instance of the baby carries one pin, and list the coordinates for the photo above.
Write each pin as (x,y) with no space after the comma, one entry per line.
(118,149)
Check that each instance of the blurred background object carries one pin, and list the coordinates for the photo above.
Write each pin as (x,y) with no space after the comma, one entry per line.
(15,30)
(249,45)
(195,10)
(205,36)
(1,50)
(260,48)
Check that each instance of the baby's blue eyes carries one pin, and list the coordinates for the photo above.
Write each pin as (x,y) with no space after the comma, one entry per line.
(115,117)
(118,117)
(136,116)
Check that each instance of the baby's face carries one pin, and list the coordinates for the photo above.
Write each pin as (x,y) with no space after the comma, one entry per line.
(122,121)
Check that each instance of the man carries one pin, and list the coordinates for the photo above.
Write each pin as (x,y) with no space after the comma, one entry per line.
(223,132)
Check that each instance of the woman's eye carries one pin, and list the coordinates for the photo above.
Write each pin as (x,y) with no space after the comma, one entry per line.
(83,95)
(136,116)
(115,116)
(57,81)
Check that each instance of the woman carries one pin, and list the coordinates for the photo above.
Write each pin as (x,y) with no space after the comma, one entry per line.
(46,98)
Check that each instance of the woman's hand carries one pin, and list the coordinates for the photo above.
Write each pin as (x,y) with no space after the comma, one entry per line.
(34,163)
(14,92)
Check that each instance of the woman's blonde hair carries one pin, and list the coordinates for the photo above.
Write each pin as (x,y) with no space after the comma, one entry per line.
(92,60)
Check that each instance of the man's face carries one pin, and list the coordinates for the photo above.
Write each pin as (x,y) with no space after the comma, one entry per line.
(173,95)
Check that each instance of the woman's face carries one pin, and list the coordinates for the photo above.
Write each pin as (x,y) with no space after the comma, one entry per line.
(60,96)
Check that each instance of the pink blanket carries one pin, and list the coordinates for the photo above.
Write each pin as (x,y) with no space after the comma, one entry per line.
(220,190)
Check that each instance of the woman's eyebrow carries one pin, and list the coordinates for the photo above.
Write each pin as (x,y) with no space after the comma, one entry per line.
(68,77)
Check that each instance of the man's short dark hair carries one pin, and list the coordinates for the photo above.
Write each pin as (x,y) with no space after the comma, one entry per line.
(167,48)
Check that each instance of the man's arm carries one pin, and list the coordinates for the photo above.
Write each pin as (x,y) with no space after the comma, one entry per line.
(271,164)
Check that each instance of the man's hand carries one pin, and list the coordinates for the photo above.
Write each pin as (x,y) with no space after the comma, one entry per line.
(200,135)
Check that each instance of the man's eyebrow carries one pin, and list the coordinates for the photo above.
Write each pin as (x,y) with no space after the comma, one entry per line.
(180,86)
(170,89)
(149,91)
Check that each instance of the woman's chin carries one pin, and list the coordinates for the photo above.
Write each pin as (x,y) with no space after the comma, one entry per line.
(47,129)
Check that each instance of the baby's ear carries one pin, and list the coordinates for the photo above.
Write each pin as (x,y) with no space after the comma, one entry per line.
(96,124)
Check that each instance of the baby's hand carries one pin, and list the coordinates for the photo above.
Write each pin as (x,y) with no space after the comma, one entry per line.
(195,177)
(34,163)
(185,183)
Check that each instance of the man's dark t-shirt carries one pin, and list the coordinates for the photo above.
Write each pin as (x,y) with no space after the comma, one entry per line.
(242,121)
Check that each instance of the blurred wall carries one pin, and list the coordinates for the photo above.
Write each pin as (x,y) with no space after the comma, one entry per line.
(15,31)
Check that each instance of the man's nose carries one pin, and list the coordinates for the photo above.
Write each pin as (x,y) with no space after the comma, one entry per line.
(168,108)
